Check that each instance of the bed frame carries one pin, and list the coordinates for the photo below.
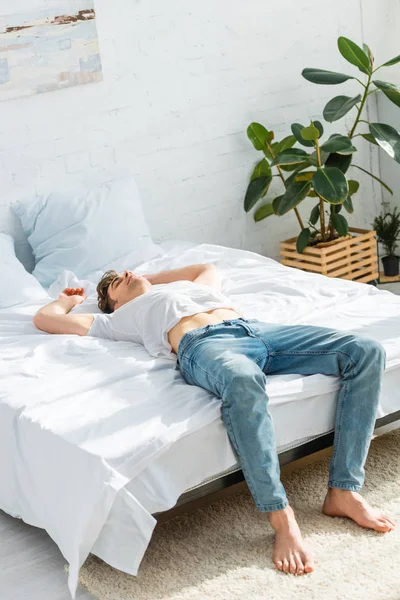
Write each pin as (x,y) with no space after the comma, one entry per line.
(206,493)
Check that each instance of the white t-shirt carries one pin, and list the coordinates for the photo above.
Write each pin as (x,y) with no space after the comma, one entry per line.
(148,318)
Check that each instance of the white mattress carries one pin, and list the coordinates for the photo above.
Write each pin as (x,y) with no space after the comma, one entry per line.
(97,435)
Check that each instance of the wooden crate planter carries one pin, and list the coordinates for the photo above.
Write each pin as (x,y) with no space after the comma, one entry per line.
(352,257)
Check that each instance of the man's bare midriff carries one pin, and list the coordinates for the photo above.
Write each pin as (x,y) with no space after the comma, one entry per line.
(197,321)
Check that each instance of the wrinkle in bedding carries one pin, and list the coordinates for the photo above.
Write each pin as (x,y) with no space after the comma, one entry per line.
(83,417)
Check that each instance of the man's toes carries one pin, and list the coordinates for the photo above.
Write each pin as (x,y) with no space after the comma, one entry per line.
(299,565)
(285,566)
(292,565)
(309,566)
(384,525)
(279,565)
(379,524)
(389,519)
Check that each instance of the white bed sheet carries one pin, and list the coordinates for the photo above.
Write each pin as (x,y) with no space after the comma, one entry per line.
(84,422)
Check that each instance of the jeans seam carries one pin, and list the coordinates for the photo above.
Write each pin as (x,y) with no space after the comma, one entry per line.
(300,352)
(247,473)
(193,363)
(249,330)
(336,442)
(271,507)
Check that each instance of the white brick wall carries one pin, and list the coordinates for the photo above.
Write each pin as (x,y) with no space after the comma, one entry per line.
(182,81)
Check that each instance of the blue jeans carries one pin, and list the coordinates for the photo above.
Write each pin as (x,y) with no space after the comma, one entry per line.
(233,358)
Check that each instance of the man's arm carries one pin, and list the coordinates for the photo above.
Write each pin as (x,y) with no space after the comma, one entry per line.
(204,274)
(54,317)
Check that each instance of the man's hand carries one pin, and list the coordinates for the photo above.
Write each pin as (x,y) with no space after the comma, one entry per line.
(71,297)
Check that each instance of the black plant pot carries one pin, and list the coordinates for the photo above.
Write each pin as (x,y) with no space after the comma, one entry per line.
(390,265)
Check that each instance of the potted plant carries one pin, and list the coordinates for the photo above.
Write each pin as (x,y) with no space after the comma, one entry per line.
(319,169)
(387,229)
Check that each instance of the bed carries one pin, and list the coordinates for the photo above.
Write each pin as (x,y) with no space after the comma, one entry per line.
(98,437)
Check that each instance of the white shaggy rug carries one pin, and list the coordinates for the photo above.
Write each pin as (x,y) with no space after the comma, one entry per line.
(223,551)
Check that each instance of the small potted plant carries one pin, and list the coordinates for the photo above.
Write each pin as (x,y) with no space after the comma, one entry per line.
(319,169)
(387,229)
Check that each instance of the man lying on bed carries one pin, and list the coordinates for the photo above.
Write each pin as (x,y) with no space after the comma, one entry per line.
(183,311)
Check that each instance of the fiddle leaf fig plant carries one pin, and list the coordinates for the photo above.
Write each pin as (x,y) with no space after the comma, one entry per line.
(318,166)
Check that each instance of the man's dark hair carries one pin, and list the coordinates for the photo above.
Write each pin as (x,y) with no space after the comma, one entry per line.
(105,304)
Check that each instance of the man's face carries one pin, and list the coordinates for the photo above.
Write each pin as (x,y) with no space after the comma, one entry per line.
(126,287)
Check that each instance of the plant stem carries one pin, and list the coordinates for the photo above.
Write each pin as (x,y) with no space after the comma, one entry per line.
(321,201)
(361,106)
(284,183)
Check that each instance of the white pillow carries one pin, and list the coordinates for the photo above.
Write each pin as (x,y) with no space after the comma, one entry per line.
(86,230)
(17,285)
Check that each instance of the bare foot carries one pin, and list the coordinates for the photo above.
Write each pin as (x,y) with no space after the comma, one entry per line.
(345,503)
(290,553)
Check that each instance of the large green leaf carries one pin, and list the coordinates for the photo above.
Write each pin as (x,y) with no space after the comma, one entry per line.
(303,239)
(390,90)
(318,125)
(296,173)
(369,55)
(292,156)
(310,133)
(297,129)
(271,150)
(294,194)
(262,169)
(339,143)
(340,224)
(257,189)
(392,61)
(275,204)
(325,77)
(295,167)
(388,139)
(263,212)
(340,161)
(331,184)
(376,179)
(315,214)
(286,143)
(348,205)
(370,138)
(259,136)
(353,186)
(354,54)
(313,159)
(339,106)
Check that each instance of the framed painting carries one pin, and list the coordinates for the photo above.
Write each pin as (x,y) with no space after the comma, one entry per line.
(47,45)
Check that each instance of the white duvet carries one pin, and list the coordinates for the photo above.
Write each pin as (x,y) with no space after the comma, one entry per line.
(82,417)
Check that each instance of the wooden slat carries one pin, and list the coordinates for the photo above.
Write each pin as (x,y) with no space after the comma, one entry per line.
(309,260)
(354,250)
(308,267)
(291,245)
(366,271)
(371,255)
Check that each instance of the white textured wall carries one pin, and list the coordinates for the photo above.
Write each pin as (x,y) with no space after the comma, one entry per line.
(387,111)
(182,80)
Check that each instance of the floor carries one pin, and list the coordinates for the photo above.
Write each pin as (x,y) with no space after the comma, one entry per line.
(31,564)
(32,567)
(391,287)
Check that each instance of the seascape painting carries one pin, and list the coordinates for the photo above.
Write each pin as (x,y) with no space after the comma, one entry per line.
(47,45)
